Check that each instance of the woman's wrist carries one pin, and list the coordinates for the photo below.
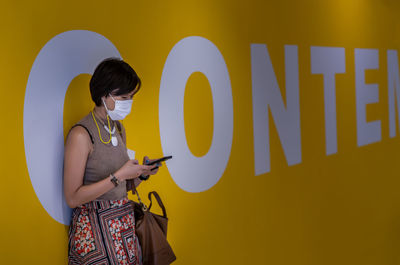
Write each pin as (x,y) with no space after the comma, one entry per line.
(118,176)
(114,180)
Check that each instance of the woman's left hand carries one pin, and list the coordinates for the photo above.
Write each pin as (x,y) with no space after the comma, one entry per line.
(147,160)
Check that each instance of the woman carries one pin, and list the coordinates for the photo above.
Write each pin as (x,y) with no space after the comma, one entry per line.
(97,169)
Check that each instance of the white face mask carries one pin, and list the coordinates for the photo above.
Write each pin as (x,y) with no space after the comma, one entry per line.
(121,110)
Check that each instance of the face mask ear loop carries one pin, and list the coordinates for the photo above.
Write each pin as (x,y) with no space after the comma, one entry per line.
(119,131)
(112,97)
(105,105)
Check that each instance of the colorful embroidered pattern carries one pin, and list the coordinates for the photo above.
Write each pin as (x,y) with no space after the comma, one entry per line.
(84,240)
(103,232)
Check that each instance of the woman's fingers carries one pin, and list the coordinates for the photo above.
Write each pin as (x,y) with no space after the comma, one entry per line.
(147,160)
(146,169)
(149,168)
(154,171)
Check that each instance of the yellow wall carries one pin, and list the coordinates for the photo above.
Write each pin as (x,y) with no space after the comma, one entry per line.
(328,209)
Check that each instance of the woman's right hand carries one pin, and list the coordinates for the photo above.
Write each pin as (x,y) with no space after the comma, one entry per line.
(131,169)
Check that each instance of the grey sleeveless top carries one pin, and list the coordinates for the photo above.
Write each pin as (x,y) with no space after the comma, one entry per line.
(105,158)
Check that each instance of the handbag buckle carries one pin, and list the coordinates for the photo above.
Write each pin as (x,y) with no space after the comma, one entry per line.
(144,207)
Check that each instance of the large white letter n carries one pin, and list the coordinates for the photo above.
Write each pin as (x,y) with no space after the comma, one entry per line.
(267,95)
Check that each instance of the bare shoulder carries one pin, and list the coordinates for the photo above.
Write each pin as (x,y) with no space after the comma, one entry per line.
(79,137)
(78,133)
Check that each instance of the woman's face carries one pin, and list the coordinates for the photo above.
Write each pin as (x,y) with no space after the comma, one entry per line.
(111,103)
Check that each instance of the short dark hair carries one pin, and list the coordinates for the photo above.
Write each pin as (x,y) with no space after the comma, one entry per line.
(113,76)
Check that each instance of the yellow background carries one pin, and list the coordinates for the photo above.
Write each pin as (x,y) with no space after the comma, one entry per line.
(338,209)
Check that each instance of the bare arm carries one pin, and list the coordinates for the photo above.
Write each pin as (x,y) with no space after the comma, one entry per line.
(77,149)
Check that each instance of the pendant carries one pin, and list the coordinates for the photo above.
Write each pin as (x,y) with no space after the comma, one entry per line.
(114,140)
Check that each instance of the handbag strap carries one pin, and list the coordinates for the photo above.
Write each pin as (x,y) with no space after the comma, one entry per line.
(144,207)
(160,203)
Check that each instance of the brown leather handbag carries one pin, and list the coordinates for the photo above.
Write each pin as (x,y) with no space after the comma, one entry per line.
(151,230)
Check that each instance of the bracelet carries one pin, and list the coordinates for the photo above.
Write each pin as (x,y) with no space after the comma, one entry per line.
(114,180)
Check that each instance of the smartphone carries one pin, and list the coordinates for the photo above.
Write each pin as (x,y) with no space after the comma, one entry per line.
(159,160)
(152,163)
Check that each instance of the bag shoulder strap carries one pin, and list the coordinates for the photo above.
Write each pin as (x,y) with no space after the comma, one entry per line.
(160,203)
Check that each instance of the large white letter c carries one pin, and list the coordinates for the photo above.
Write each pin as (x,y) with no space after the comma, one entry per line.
(64,57)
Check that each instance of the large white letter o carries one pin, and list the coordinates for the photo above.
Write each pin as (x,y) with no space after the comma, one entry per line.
(195,54)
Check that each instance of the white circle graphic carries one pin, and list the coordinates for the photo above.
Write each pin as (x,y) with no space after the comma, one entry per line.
(64,57)
(195,54)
